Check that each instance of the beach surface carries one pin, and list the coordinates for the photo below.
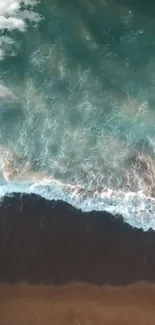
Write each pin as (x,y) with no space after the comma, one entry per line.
(59,265)
(77,304)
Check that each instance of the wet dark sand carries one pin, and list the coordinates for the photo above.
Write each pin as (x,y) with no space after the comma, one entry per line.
(76,255)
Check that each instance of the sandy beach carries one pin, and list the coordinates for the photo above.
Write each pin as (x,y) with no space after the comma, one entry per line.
(77,305)
(61,266)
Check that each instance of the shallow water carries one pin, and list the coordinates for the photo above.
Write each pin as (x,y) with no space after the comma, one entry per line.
(83,127)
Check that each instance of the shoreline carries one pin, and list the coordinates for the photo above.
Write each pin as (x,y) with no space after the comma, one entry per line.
(61,266)
(54,243)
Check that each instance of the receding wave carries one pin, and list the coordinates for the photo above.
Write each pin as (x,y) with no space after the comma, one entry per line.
(135,201)
(136,208)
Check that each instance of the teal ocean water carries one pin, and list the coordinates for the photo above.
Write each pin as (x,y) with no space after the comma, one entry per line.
(77,104)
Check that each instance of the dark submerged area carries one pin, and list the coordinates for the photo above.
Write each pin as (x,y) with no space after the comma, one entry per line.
(53,243)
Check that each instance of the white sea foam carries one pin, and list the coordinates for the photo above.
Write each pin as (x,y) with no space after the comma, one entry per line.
(136,208)
(6,94)
(14,17)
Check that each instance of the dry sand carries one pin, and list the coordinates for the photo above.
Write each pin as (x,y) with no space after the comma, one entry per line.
(77,305)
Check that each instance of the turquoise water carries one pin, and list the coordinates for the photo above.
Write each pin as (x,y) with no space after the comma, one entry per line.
(79,121)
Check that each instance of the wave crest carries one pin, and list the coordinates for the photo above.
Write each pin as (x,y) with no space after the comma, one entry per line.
(136,207)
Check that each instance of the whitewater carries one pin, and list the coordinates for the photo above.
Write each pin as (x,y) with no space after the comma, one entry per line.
(77,114)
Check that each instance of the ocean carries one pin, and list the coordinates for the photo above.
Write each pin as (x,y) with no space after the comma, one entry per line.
(77,96)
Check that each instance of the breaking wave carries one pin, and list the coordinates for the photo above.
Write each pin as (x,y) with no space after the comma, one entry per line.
(136,208)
